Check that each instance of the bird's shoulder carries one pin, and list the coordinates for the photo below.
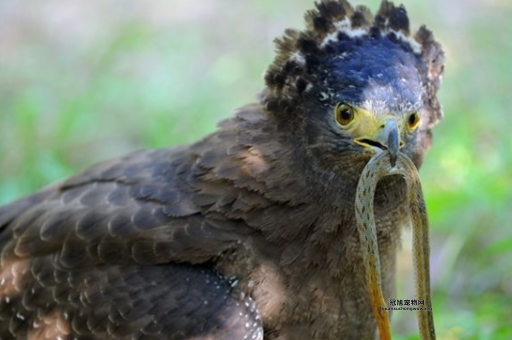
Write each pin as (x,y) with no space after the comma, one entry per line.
(184,204)
(145,207)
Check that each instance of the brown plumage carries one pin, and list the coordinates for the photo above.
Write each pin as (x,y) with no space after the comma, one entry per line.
(247,234)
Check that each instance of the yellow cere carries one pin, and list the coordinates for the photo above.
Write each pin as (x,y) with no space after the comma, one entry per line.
(364,123)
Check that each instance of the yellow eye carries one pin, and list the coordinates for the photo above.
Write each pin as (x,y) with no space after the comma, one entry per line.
(344,114)
(413,121)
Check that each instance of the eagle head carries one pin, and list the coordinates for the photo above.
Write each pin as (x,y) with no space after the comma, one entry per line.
(353,84)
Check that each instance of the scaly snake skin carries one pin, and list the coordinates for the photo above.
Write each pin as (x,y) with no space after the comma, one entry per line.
(378,167)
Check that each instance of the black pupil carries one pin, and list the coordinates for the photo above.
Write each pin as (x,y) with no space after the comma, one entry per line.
(412,119)
(346,114)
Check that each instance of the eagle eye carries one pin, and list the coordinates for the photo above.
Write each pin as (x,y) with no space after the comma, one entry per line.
(344,114)
(413,121)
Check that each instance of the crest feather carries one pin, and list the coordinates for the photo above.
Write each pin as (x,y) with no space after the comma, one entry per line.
(433,57)
(334,20)
(394,18)
(332,17)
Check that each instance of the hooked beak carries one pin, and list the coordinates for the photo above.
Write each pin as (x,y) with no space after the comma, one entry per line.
(387,138)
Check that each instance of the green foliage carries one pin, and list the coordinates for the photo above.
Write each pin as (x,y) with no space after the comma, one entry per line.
(81,83)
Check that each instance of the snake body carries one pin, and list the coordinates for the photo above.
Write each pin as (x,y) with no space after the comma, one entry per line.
(378,167)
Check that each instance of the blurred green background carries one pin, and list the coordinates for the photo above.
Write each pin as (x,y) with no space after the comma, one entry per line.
(82,81)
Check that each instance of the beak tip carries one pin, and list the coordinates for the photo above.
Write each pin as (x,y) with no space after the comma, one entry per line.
(393,157)
(393,145)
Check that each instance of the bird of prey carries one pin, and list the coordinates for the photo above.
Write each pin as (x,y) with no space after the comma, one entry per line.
(249,233)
